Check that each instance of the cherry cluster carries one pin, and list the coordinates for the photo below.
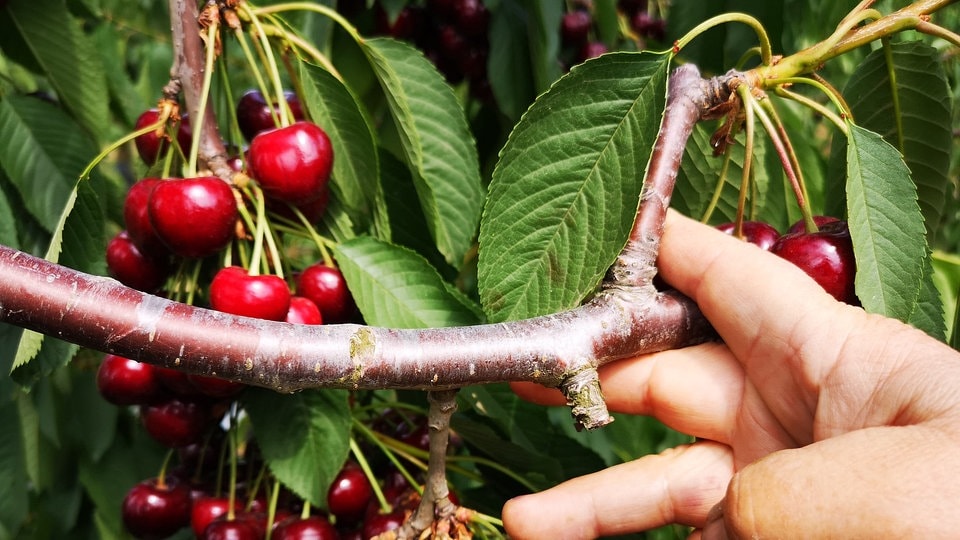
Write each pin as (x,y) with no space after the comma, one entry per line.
(178,233)
(825,254)
(451,33)
(579,35)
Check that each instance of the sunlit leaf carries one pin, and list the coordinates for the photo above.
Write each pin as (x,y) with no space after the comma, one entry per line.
(886,226)
(565,191)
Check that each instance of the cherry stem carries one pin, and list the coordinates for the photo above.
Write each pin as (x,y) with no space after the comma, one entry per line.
(284,112)
(749,104)
(368,472)
(162,475)
(197,123)
(721,183)
(770,120)
(317,8)
(254,65)
(272,507)
(232,436)
(766,50)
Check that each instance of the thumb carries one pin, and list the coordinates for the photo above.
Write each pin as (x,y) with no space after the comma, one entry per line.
(882,482)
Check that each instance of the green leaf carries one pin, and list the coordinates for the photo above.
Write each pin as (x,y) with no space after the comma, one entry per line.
(928,315)
(68,58)
(305,450)
(397,288)
(564,194)
(13,466)
(901,92)
(544,41)
(42,152)
(436,142)
(8,225)
(355,166)
(510,65)
(886,226)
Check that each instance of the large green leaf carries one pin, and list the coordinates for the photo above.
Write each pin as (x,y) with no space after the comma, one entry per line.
(42,151)
(304,437)
(510,66)
(436,142)
(886,226)
(565,191)
(901,92)
(398,288)
(13,470)
(68,58)
(929,315)
(355,166)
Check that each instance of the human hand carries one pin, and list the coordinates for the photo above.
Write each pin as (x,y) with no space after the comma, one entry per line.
(813,418)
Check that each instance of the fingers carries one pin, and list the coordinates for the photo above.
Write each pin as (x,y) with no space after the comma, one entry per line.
(677,486)
(885,482)
(696,390)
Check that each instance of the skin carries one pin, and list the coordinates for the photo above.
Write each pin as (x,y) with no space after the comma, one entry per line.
(813,418)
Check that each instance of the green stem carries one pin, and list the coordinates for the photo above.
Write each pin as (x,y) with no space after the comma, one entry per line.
(365,466)
(317,8)
(286,115)
(935,30)
(807,102)
(895,95)
(791,167)
(305,46)
(748,106)
(766,51)
(257,75)
(721,183)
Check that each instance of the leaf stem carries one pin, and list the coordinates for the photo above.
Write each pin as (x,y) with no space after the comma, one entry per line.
(317,8)
(766,50)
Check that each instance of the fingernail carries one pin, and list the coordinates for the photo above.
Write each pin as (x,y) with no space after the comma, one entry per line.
(714,528)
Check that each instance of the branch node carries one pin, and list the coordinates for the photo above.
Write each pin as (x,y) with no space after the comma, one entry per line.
(585,399)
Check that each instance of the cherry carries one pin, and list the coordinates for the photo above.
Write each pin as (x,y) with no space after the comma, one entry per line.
(649,26)
(236,529)
(758,233)
(472,17)
(575,26)
(326,286)
(150,145)
(123,381)
(136,217)
(254,115)
(801,225)
(207,509)
(826,256)
(193,217)
(311,528)
(235,291)
(592,49)
(292,163)
(303,311)
(153,509)
(176,422)
(176,382)
(128,265)
(378,523)
(350,493)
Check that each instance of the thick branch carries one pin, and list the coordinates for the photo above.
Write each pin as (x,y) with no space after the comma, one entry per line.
(102,314)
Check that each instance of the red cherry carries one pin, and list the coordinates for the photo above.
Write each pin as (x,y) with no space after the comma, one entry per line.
(575,27)
(136,218)
(292,163)
(380,523)
(176,422)
(149,145)
(235,291)
(128,265)
(303,311)
(254,115)
(176,382)
(327,288)
(194,217)
(311,528)
(473,18)
(349,494)
(756,232)
(237,529)
(154,510)
(123,381)
(207,509)
(592,49)
(826,256)
(801,226)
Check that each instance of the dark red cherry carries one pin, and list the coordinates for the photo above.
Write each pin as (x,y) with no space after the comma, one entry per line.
(311,528)
(254,115)
(236,529)
(377,523)
(575,27)
(826,256)
(207,509)
(801,226)
(592,49)
(176,422)
(235,291)
(176,382)
(136,218)
(193,217)
(472,17)
(758,233)
(303,311)
(151,145)
(123,381)
(155,510)
(128,265)
(215,386)
(326,286)
(292,163)
(349,494)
